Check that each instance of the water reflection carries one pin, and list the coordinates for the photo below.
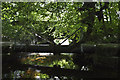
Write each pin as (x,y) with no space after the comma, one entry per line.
(42,59)
(42,54)
(66,62)
(48,59)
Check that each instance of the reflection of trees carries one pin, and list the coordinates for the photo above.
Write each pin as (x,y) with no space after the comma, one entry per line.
(83,61)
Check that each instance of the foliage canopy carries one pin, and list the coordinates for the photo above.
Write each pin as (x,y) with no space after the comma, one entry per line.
(96,22)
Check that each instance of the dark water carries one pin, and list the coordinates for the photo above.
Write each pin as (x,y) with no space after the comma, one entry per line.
(46,60)
(67,66)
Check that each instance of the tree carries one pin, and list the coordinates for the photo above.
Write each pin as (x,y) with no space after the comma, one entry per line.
(97,22)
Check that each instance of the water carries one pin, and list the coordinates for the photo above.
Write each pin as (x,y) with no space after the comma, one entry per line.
(47,60)
(67,66)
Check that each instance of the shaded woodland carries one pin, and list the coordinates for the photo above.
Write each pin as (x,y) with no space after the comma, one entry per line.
(92,30)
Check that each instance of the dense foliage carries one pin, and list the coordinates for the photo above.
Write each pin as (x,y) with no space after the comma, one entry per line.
(36,22)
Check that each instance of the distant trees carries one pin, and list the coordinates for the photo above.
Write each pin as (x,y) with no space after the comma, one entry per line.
(22,21)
